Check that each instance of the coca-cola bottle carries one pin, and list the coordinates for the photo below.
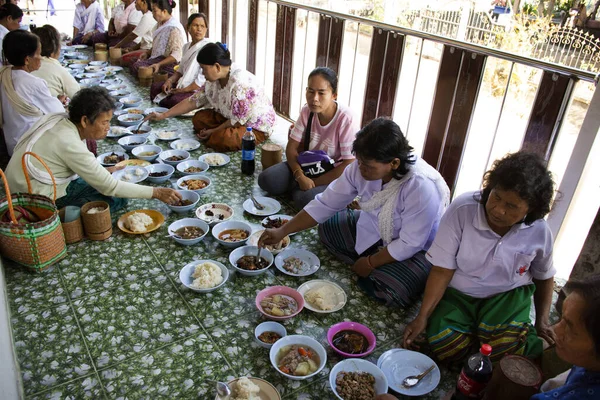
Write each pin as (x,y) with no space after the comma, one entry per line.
(248,149)
(475,375)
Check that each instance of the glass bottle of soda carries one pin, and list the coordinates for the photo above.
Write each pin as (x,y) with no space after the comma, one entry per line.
(248,150)
(475,375)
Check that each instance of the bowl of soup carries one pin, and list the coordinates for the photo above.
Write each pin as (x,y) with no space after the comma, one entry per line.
(188,200)
(131,101)
(243,259)
(159,173)
(298,357)
(279,302)
(188,231)
(195,183)
(174,157)
(130,119)
(192,167)
(267,333)
(147,152)
(231,233)
(351,339)
(129,142)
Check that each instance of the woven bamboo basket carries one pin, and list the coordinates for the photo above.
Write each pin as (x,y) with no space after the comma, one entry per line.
(160,77)
(515,377)
(101,55)
(35,245)
(97,226)
(73,230)
(115,55)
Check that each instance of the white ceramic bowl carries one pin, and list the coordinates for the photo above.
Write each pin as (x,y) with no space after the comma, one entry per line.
(116,87)
(119,94)
(269,326)
(94,75)
(129,142)
(98,63)
(181,186)
(188,222)
(358,365)
(101,157)
(185,275)
(130,119)
(217,209)
(170,153)
(303,341)
(131,101)
(167,134)
(144,129)
(158,110)
(93,68)
(250,251)
(89,82)
(185,144)
(144,149)
(223,226)
(160,168)
(185,195)
(310,260)
(182,166)
(135,110)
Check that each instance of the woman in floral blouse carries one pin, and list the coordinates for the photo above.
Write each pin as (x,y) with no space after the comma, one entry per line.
(234,101)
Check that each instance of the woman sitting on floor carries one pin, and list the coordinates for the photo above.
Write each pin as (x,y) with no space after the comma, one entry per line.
(578,343)
(139,41)
(167,41)
(23,97)
(123,21)
(87,22)
(235,98)
(60,82)
(492,252)
(188,78)
(10,20)
(331,130)
(58,140)
(402,200)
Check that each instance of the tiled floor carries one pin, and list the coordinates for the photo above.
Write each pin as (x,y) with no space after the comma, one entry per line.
(113,321)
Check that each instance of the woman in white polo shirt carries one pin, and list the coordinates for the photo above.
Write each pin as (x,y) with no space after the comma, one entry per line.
(491,254)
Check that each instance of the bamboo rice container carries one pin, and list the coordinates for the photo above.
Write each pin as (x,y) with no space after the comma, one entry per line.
(160,77)
(115,55)
(100,46)
(73,230)
(515,377)
(101,55)
(97,226)
(271,154)
(144,72)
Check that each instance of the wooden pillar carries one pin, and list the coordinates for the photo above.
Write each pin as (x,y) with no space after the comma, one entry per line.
(284,54)
(329,42)
(252,35)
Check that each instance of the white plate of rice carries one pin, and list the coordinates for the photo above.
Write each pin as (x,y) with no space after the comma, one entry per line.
(140,221)
(323,296)
(215,159)
(204,276)
(249,388)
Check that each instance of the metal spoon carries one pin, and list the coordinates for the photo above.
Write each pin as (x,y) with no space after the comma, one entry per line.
(257,257)
(256,203)
(411,381)
(223,389)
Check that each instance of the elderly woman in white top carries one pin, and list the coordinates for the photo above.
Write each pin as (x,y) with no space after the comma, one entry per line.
(24,98)
(188,78)
(10,20)
(59,80)
(402,199)
(492,254)
(87,22)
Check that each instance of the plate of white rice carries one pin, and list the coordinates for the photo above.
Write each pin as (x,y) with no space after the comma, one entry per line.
(249,388)
(140,221)
(204,276)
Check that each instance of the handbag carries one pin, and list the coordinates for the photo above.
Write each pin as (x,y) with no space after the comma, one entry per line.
(33,244)
(314,163)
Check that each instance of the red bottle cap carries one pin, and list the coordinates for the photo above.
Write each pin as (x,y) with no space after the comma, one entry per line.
(486,349)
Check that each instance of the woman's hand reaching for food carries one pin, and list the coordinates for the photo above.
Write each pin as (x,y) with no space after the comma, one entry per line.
(155,116)
(271,236)
(166,195)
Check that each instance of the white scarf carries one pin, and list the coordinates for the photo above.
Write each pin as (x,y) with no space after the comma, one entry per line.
(189,66)
(387,199)
(90,13)
(45,123)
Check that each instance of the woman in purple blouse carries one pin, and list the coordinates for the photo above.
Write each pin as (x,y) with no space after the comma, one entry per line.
(402,199)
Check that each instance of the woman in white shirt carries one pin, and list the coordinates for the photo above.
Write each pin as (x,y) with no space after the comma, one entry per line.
(123,21)
(10,19)
(188,78)
(60,82)
(24,98)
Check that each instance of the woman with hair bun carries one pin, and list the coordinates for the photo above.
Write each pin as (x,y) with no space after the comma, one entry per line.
(234,100)
(10,20)
(167,41)
(402,199)
(491,255)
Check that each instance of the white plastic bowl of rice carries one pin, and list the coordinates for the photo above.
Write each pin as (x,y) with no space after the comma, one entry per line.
(204,276)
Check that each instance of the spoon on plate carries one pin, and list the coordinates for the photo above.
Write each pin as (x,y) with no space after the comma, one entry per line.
(223,389)
(412,380)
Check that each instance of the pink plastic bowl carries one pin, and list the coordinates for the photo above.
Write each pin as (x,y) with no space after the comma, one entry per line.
(352,326)
(294,294)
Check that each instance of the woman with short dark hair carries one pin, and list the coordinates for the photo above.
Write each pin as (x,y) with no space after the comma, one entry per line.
(60,82)
(402,199)
(24,98)
(10,20)
(233,101)
(58,140)
(492,253)
(167,41)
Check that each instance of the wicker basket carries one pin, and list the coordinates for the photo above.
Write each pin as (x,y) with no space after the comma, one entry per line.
(73,230)
(35,245)
(97,226)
